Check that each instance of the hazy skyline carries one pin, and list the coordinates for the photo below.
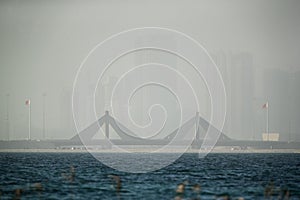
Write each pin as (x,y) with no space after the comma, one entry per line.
(254,43)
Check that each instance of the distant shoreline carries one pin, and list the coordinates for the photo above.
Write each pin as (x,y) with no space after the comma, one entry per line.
(148,150)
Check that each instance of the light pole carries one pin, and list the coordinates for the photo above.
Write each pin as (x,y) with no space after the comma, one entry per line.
(7,116)
(44,115)
(27,103)
(268,121)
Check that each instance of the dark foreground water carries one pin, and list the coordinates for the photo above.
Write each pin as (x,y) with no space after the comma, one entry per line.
(48,176)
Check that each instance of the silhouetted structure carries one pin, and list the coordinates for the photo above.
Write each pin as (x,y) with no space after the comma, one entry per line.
(127,137)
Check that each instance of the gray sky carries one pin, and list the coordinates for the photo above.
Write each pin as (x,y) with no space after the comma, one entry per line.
(256,44)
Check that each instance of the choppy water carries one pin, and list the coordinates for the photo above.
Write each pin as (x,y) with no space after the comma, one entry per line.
(238,175)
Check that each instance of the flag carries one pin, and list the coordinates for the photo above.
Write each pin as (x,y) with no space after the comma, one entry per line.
(27,102)
(265,106)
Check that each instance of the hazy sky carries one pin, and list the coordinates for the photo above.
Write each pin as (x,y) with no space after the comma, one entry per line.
(42,44)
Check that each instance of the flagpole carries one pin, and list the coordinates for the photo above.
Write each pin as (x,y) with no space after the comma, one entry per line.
(29,121)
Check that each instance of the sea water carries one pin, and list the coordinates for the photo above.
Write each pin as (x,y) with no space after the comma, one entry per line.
(47,176)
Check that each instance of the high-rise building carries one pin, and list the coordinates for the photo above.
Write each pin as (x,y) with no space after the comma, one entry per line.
(237,71)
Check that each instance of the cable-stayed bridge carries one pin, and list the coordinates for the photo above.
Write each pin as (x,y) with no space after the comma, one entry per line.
(127,137)
(197,125)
